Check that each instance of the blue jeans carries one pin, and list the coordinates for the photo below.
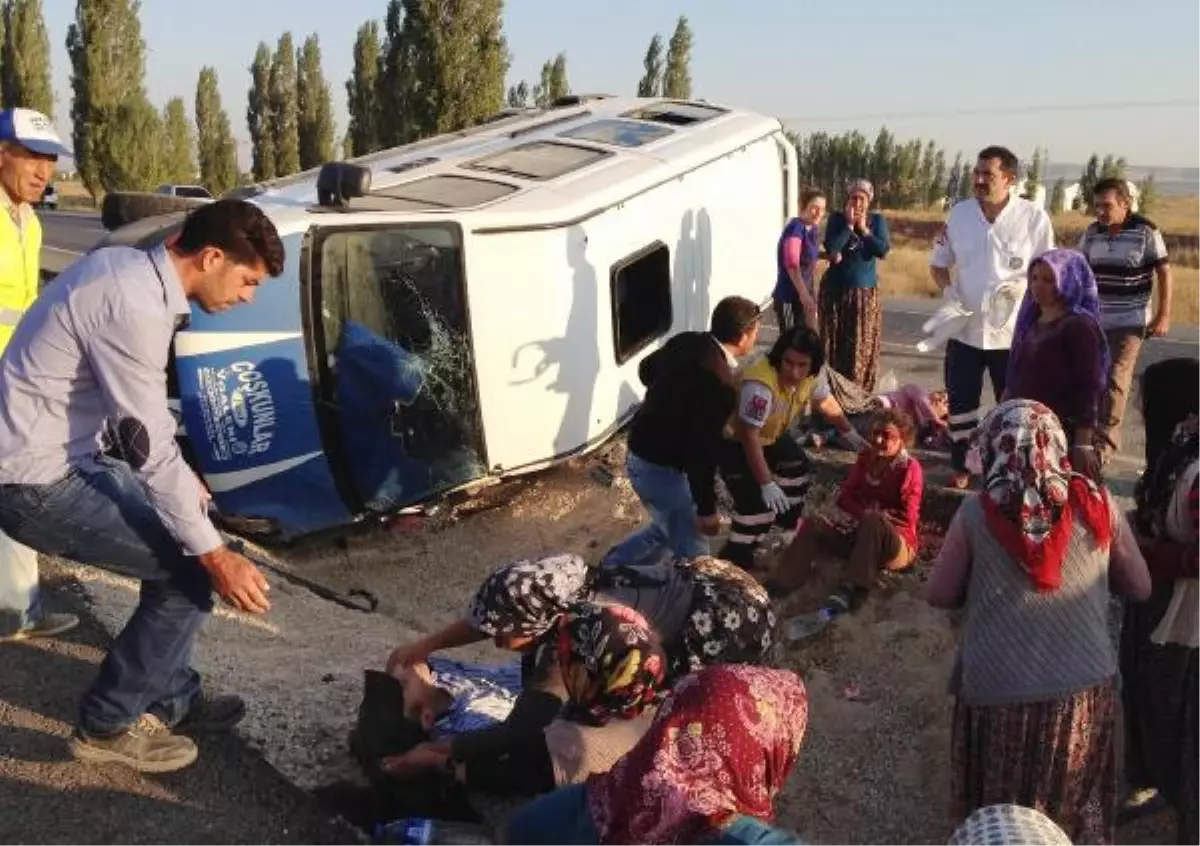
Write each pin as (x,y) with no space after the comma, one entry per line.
(665,493)
(100,515)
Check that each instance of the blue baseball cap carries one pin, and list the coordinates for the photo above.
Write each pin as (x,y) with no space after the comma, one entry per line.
(33,131)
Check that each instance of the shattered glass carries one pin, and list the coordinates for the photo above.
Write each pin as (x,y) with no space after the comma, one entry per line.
(402,371)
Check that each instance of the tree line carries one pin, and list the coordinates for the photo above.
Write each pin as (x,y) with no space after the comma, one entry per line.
(408,83)
(434,66)
(914,173)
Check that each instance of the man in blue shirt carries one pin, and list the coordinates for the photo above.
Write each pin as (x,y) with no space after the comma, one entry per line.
(83,380)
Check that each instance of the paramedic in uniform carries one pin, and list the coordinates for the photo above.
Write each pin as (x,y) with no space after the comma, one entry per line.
(29,149)
(763,467)
(84,379)
(990,242)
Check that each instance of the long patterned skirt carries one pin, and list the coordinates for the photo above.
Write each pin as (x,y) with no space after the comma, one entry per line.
(852,328)
(1058,757)
(1160,693)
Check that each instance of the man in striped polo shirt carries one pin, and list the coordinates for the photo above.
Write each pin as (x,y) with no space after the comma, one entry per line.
(1127,253)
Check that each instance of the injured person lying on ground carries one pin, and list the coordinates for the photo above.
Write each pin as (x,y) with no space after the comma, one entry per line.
(764,469)
(596,672)
(872,524)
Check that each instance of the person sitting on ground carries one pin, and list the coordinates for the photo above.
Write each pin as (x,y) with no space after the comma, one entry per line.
(762,465)
(705,611)
(1059,356)
(873,523)
(608,665)
(1032,558)
(929,410)
(718,752)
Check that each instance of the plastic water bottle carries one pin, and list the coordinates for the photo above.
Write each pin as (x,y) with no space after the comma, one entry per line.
(420,831)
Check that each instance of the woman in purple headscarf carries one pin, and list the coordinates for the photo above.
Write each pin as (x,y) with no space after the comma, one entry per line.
(1059,355)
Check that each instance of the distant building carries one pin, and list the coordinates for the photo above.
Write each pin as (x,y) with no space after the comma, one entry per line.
(1071,197)
(1037,198)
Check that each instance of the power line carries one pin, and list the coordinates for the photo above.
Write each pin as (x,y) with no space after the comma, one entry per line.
(1009,110)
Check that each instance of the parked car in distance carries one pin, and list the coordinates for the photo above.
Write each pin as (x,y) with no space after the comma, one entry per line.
(195,191)
(49,198)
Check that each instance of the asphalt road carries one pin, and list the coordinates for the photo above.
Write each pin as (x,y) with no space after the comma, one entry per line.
(231,795)
(66,236)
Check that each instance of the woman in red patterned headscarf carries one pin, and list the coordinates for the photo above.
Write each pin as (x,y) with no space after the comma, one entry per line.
(717,754)
(1032,559)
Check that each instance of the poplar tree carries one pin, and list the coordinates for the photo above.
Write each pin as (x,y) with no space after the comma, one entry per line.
(677,78)
(394,81)
(178,156)
(283,115)
(258,115)
(115,130)
(455,60)
(558,86)
(26,79)
(315,105)
(650,85)
(362,93)
(215,147)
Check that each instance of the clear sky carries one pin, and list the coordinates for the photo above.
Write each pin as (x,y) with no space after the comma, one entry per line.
(957,71)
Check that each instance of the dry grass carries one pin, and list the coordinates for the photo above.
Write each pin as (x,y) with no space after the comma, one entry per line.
(72,195)
(905,272)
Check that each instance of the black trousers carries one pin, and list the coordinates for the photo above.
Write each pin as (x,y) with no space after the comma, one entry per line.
(752,519)
(964,369)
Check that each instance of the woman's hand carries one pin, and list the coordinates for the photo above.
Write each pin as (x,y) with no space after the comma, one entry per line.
(422,757)
(408,656)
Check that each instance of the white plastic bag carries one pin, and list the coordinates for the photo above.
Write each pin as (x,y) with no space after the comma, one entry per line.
(18,574)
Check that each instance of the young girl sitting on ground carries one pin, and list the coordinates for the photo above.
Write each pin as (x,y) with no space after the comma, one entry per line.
(873,523)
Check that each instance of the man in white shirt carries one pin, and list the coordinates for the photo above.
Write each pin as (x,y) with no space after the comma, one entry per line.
(990,242)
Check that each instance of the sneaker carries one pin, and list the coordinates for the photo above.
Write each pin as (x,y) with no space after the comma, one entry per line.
(212,715)
(147,746)
(48,626)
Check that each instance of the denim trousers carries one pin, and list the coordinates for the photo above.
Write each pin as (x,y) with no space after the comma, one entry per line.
(100,514)
(667,496)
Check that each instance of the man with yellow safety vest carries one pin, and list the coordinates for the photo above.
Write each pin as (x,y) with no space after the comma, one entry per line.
(764,468)
(29,149)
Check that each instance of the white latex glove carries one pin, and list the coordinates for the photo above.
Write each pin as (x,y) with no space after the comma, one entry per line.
(774,497)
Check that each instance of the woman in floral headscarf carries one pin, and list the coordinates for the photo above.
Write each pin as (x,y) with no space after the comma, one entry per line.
(705,610)
(613,668)
(1032,558)
(1059,355)
(719,751)
(851,315)
(608,665)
